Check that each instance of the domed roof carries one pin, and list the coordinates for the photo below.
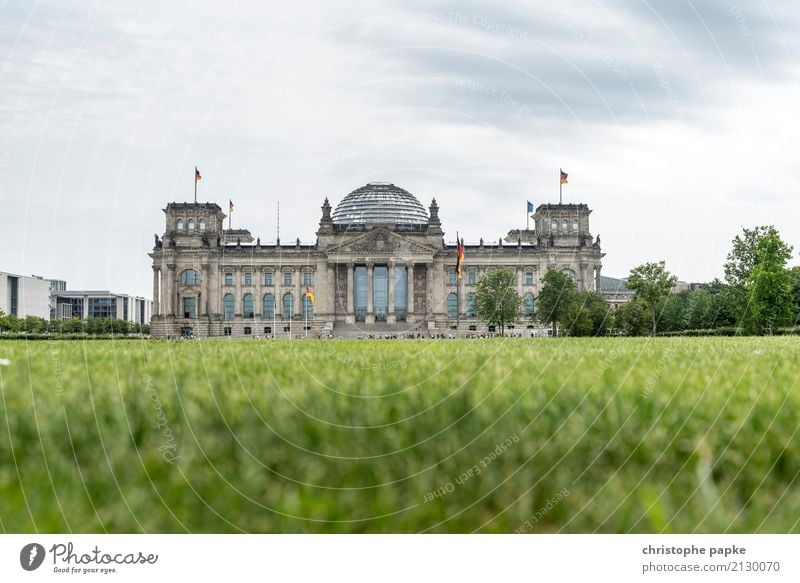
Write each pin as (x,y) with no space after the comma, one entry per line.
(380,203)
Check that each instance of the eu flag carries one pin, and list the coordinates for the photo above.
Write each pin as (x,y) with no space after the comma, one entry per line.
(530,207)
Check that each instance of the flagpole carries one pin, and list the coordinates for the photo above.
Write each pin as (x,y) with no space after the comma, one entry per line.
(195,185)
(560,186)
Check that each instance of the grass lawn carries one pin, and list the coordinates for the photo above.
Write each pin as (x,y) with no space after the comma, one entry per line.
(542,435)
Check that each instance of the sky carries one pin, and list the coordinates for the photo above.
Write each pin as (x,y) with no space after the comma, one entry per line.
(676,121)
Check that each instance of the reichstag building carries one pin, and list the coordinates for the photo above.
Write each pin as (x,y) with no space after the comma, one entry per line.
(380,265)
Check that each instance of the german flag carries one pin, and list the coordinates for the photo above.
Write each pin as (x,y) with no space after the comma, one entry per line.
(459,257)
(310,295)
(230,206)
(563,177)
(197,176)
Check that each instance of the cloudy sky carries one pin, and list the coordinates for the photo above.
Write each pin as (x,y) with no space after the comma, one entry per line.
(676,120)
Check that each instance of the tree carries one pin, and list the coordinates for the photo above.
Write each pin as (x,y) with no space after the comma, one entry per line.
(651,284)
(756,271)
(633,319)
(556,298)
(795,273)
(742,257)
(769,283)
(497,300)
(589,315)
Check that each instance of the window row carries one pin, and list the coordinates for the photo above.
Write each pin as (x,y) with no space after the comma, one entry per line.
(267,278)
(472,306)
(268,306)
(190,225)
(472,277)
(564,224)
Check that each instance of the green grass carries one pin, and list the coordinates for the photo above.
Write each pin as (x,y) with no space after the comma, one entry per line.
(601,435)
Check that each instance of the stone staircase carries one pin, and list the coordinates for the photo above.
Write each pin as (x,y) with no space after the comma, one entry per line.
(360,329)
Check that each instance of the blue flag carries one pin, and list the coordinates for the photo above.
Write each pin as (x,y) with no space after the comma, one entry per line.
(530,207)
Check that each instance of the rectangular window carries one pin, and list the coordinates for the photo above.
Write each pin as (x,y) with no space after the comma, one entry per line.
(190,307)
(248,278)
(307,278)
(248,330)
(268,278)
(267,329)
(228,278)
(226,330)
(451,278)
(287,328)
(528,278)
(287,278)
(13,295)
(472,327)
(472,278)
(102,307)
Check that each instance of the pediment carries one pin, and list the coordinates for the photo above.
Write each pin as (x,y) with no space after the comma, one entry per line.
(381,241)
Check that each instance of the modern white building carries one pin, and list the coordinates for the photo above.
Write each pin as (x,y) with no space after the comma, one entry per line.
(24,296)
(88,304)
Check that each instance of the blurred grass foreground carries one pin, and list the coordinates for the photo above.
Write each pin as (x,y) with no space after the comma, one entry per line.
(548,435)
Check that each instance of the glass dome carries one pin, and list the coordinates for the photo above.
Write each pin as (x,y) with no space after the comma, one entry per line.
(380,203)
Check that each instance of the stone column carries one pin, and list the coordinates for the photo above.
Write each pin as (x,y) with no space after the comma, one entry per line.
(278,281)
(203,304)
(430,303)
(237,299)
(350,306)
(462,295)
(156,291)
(171,289)
(370,319)
(410,291)
(597,285)
(214,288)
(299,292)
(390,317)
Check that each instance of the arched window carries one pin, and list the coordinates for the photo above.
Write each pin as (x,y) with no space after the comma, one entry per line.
(472,305)
(269,306)
(553,225)
(228,305)
(564,225)
(190,224)
(308,307)
(247,301)
(190,277)
(574,225)
(452,305)
(527,305)
(201,224)
(288,305)
(571,274)
(179,225)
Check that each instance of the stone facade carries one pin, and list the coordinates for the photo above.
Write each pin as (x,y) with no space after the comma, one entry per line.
(366,276)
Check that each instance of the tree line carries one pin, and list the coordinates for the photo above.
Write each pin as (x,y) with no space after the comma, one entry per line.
(34,325)
(760,295)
